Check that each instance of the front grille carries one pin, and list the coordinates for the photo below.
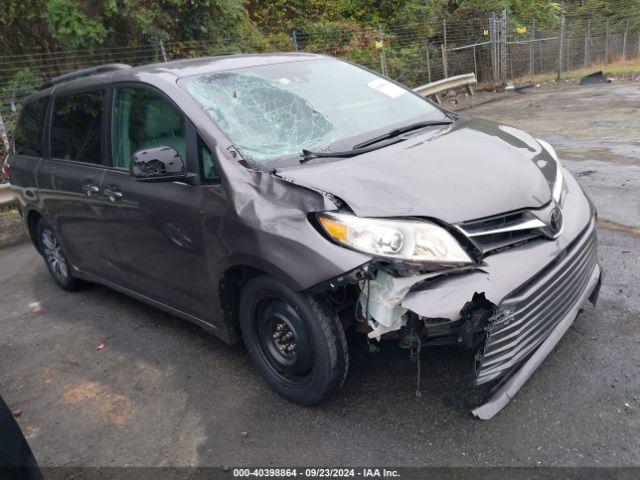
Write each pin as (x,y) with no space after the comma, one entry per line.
(529,314)
(496,233)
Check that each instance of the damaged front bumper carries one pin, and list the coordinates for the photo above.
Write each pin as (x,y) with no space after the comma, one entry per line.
(533,293)
(507,390)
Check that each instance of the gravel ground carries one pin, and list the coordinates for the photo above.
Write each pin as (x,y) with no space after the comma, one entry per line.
(163,392)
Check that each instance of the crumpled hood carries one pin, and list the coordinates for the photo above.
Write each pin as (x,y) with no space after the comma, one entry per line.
(471,169)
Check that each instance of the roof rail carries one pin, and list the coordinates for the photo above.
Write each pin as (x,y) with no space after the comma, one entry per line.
(83,73)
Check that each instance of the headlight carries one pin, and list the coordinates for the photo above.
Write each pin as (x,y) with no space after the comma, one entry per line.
(558,184)
(411,240)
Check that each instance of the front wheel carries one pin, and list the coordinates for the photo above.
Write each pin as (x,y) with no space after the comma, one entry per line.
(296,341)
(55,258)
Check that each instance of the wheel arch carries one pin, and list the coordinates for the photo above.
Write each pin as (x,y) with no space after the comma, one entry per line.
(236,272)
(32,219)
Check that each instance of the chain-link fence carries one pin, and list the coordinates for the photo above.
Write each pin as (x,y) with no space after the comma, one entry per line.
(496,48)
(506,49)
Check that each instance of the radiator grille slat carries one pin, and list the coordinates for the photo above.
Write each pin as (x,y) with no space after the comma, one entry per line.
(510,349)
(532,311)
(526,314)
(504,231)
(538,331)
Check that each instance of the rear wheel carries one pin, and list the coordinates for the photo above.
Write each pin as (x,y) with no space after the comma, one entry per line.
(54,257)
(296,341)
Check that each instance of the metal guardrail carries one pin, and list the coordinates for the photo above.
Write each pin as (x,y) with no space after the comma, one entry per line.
(6,194)
(434,89)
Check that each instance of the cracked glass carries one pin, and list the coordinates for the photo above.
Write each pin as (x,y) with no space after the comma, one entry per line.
(272,112)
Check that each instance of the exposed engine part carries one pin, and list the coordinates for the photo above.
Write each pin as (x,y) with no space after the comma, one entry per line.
(419,370)
(371,347)
(380,292)
(476,315)
(411,340)
(380,299)
(354,276)
(343,292)
(411,335)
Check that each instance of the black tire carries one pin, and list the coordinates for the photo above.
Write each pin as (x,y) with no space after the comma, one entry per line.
(315,368)
(54,257)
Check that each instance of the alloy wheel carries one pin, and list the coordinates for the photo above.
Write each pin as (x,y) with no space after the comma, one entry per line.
(54,256)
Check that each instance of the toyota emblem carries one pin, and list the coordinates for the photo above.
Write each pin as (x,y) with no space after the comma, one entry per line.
(555,221)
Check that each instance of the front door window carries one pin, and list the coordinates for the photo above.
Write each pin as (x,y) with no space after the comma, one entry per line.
(145,119)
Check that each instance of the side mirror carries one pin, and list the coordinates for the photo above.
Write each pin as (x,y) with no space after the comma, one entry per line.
(157,164)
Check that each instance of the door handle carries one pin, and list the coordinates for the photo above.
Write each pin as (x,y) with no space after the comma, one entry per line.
(90,189)
(112,193)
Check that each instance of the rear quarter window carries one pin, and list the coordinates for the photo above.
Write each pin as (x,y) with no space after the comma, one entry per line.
(28,135)
(76,128)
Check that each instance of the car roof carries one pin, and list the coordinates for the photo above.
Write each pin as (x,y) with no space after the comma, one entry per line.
(176,69)
(193,66)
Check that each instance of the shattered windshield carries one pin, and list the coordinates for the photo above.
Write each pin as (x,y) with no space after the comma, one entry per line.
(271,112)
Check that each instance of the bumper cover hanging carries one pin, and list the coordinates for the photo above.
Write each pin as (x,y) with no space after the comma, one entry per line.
(501,397)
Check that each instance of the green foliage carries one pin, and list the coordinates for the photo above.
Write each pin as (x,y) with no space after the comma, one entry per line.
(23,80)
(423,17)
(408,65)
(70,25)
(348,29)
(28,26)
(589,8)
(525,10)
(345,28)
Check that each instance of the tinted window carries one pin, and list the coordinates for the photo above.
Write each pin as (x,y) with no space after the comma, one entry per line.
(77,126)
(28,138)
(145,119)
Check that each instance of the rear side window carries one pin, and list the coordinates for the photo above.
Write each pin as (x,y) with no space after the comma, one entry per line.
(28,136)
(77,126)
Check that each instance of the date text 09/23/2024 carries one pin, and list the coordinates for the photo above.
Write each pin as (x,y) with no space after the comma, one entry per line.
(316,472)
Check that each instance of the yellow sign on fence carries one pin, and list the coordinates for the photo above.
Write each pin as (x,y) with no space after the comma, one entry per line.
(521,29)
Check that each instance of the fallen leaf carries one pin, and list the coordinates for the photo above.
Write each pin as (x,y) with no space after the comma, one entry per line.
(17,412)
(101,346)
(244,434)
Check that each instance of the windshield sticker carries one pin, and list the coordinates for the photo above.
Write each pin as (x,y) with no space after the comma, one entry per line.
(384,86)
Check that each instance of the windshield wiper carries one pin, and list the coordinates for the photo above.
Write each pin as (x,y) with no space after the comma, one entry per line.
(400,130)
(369,145)
(310,155)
